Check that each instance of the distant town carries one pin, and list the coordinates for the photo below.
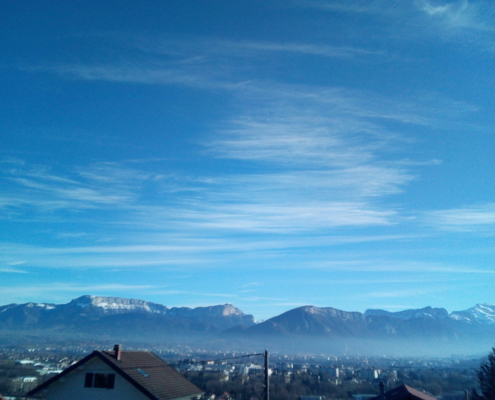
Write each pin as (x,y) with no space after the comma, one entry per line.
(239,376)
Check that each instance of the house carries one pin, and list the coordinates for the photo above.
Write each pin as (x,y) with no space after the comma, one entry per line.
(118,375)
(402,392)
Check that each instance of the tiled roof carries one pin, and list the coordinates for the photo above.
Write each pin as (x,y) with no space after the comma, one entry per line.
(144,370)
(156,377)
(417,393)
(404,392)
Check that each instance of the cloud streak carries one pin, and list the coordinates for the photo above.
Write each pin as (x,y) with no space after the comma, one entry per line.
(458,21)
(63,291)
(195,62)
(319,153)
(472,218)
(461,14)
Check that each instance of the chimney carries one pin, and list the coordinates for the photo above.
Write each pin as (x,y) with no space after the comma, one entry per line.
(117,351)
(382,391)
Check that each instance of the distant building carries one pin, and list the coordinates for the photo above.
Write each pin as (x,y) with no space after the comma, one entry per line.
(368,374)
(24,384)
(300,367)
(284,366)
(332,371)
(118,375)
(24,362)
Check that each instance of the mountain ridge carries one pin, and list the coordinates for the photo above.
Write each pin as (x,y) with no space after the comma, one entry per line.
(92,317)
(480,313)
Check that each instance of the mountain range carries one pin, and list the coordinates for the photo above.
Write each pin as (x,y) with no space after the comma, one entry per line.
(114,318)
(428,330)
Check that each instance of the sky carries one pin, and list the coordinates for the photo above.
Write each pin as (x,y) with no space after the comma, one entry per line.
(266,154)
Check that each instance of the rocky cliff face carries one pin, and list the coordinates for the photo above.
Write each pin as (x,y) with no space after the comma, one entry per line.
(98,316)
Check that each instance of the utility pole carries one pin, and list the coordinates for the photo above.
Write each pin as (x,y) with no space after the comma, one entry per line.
(267,377)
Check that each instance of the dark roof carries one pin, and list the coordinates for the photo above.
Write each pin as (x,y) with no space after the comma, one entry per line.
(404,392)
(163,382)
(159,381)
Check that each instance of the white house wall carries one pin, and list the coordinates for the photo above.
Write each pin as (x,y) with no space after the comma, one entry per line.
(71,386)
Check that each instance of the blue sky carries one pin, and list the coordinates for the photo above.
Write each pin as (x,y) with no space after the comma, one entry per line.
(268,154)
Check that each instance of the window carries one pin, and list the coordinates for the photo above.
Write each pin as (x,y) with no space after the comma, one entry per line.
(103,381)
(142,372)
(88,382)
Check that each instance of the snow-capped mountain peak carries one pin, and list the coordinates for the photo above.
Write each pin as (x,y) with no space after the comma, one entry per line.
(118,304)
(480,313)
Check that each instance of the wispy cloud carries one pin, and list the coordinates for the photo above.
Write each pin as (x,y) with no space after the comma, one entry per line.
(399,266)
(412,293)
(302,49)
(388,281)
(202,49)
(10,264)
(193,61)
(461,14)
(72,234)
(100,185)
(404,20)
(320,153)
(12,271)
(252,284)
(315,153)
(135,72)
(307,160)
(194,253)
(195,293)
(12,160)
(197,62)
(63,291)
(352,6)
(286,218)
(456,14)
(473,218)
(426,292)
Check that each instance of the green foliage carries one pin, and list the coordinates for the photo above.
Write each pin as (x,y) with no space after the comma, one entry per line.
(486,379)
